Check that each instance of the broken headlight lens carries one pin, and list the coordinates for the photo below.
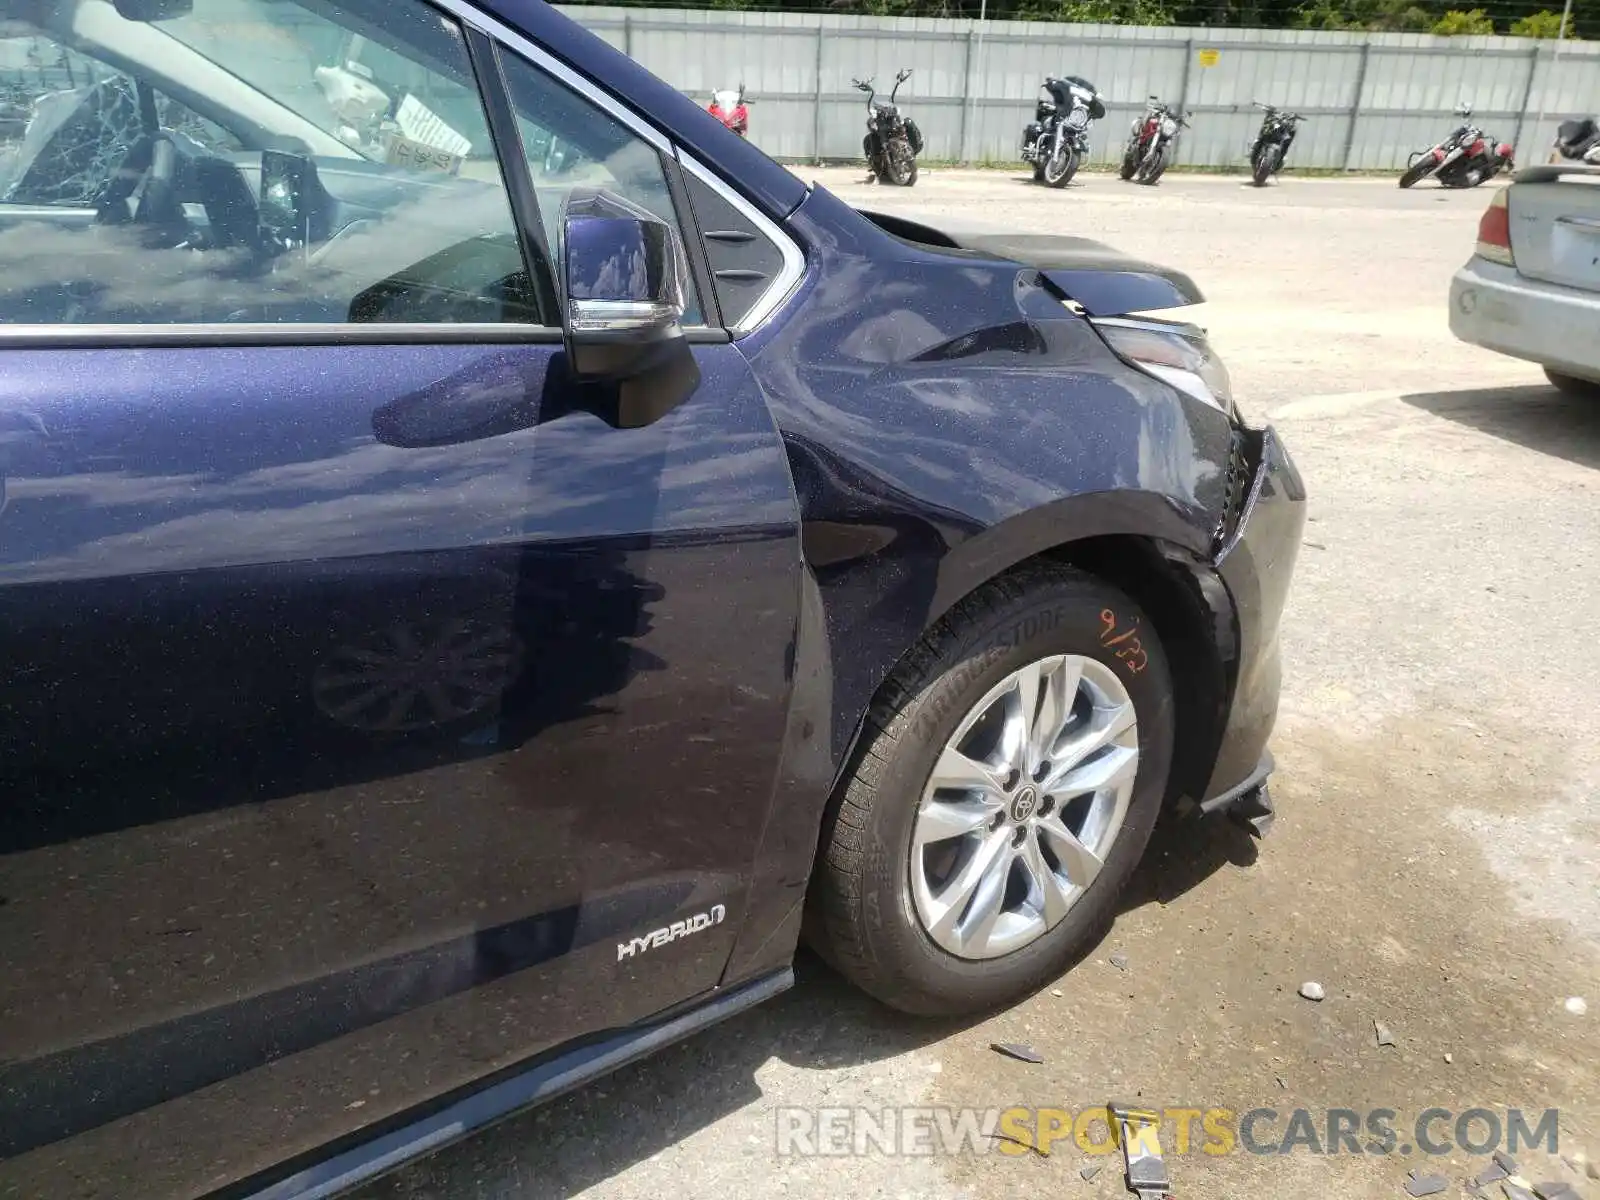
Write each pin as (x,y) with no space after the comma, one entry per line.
(1173,352)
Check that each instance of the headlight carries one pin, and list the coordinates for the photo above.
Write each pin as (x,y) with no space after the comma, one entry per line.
(1077,118)
(1168,127)
(1173,352)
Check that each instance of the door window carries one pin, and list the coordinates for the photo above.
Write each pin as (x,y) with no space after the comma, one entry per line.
(259,161)
(572,143)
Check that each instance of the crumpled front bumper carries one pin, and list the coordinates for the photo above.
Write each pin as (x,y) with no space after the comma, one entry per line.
(1256,563)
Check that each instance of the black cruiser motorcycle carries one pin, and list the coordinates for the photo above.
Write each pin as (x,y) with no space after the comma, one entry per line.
(1577,140)
(1057,141)
(893,140)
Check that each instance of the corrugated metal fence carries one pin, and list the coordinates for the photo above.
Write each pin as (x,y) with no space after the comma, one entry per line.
(1371,99)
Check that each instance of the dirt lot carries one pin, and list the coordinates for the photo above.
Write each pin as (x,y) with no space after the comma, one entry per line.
(1436,860)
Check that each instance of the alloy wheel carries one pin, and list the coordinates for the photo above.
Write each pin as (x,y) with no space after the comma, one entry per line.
(1023,806)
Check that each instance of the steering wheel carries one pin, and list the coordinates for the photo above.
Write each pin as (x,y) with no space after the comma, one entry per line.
(150,168)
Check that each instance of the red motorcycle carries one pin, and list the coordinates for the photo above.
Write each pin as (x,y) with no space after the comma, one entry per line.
(1149,150)
(729,108)
(1464,159)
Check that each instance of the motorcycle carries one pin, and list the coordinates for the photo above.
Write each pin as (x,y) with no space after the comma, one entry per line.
(1150,146)
(1057,140)
(893,140)
(1577,141)
(1464,159)
(729,108)
(1272,142)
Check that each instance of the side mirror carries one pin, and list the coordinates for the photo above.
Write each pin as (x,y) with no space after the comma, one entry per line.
(153,10)
(624,273)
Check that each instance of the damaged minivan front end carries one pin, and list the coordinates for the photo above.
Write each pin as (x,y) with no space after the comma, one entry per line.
(1057,365)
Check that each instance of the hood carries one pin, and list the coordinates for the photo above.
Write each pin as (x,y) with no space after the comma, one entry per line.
(1103,281)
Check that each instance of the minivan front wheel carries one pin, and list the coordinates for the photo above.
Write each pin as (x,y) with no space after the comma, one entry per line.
(1004,789)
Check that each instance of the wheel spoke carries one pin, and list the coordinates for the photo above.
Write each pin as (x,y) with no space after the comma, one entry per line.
(976,928)
(1060,688)
(1108,725)
(1112,767)
(1052,899)
(1079,862)
(957,770)
(940,820)
(1021,710)
(951,903)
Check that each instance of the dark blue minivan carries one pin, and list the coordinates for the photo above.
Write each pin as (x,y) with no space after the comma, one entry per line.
(489,561)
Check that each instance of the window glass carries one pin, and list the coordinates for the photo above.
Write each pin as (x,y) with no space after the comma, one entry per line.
(571,143)
(313,164)
(35,69)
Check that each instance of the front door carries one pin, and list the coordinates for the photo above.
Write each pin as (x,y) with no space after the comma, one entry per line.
(367,682)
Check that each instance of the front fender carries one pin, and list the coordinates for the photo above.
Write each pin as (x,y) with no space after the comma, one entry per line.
(946,416)
(1035,531)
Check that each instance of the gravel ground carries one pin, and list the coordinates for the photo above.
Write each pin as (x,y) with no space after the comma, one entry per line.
(1435,862)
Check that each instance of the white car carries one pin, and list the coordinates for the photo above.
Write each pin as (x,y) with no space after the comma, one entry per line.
(1532,286)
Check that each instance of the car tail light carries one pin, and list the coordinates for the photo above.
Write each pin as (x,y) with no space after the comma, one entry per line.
(1494,232)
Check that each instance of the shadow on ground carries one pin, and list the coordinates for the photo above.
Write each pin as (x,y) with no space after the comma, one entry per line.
(1535,416)
(590,1135)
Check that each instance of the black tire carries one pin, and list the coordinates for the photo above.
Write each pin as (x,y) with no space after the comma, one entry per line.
(899,164)
(1419,170)
(1266,163)
(1154,168)
(861,916)
(1130,163)
(1571,385)
(1073,163)
(1068,170)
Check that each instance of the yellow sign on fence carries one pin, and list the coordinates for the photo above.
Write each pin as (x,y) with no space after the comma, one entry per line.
(1208,58)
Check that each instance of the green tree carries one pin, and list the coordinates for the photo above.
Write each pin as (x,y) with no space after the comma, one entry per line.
(1456,23)
(1544,24)
(1104,12)
(1379,16)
